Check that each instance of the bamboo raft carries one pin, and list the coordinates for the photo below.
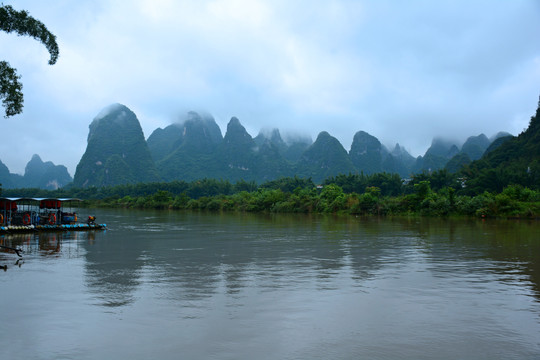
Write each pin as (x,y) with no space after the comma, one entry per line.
(27,215)
(11,229)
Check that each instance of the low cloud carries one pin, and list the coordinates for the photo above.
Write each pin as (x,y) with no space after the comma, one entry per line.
(404,72)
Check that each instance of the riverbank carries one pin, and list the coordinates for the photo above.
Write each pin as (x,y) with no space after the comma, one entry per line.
(439,194)
(513,202)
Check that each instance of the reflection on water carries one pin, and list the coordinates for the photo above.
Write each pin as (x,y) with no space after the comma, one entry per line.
(44,243)
(157,284)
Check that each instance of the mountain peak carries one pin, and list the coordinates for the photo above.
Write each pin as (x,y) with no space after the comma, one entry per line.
(441,147)
(366,153)
(234,122)
(201,133)
(325,157)
(363,142)
(36,157)
(116,152)
(34,165)
(114,117)
(272,137)
(475,146)
(498,135)
(119,111)
(236,133)
(45,175)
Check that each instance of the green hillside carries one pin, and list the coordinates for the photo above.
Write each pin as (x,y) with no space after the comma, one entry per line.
(117,152)
(515,161)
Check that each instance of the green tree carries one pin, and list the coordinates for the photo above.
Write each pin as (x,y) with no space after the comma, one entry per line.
(289,184)
(21,23)
(422,189)
(332,198)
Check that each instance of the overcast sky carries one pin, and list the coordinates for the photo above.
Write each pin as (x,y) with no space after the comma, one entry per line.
(403,71)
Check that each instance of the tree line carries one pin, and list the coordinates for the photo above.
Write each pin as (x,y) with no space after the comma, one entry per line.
(438,193)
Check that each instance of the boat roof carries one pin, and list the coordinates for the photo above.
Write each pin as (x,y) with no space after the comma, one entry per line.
(38,199)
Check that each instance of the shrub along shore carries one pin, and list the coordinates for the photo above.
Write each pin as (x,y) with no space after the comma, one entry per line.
(438,194)
(512,202)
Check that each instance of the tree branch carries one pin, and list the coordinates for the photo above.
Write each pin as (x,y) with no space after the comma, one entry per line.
(10,90)
(22,23)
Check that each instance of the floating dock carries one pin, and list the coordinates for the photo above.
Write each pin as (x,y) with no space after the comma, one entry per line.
(12,229)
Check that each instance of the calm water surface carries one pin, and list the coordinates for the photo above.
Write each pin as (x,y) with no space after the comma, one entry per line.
(174,285)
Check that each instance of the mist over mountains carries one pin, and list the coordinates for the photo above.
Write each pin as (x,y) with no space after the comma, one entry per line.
(195,148)
(116,153)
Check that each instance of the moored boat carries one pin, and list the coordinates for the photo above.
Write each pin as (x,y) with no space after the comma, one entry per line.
(42,214)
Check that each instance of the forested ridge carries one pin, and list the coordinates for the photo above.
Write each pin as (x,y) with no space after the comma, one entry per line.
(505,181)
(516,161)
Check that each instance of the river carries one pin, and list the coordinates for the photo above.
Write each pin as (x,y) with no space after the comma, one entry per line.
(181,285)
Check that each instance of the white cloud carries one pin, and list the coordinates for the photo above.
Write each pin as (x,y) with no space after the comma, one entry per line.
(404,72)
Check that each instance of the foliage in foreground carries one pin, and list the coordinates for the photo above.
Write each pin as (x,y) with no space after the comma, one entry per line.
(21,23)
